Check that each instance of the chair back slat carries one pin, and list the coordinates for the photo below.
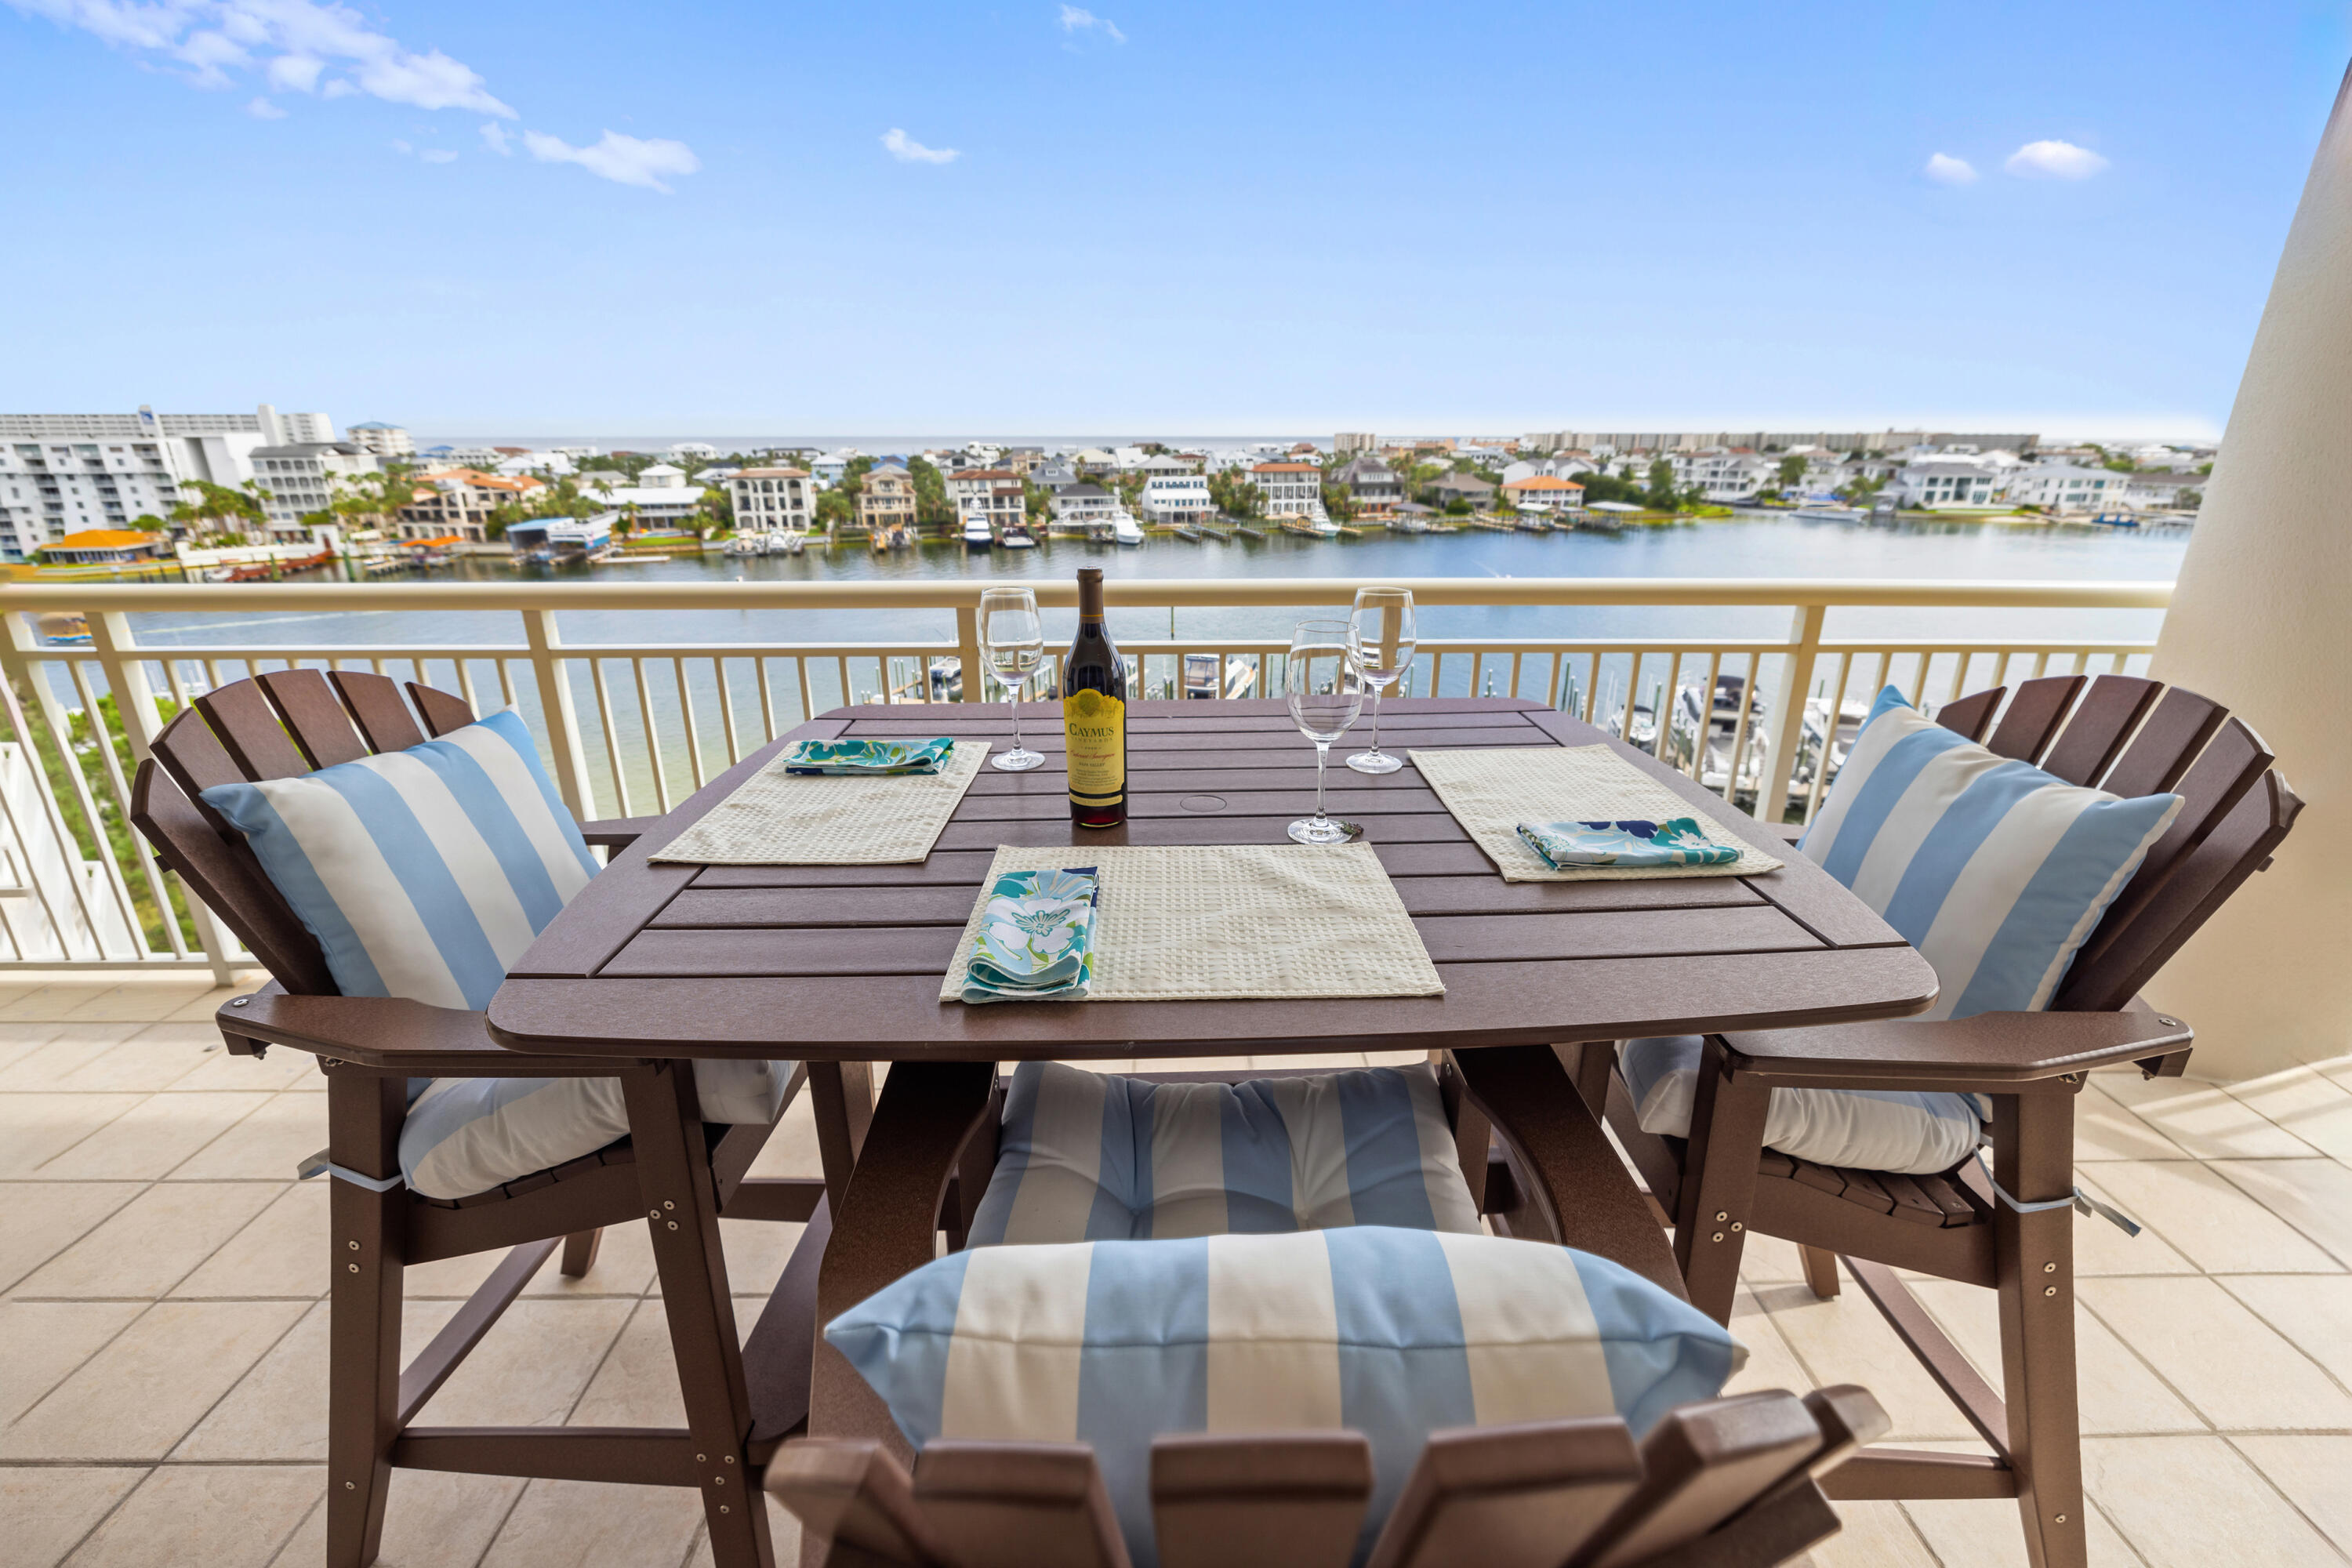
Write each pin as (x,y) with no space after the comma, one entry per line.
(248,728)
(217,866)
(2104,720)
(1293,1498)
(307,706)
(2033,716)
(1701,1464)
(194,756)
(854,1494)
(441,711)
(2199,881)
(1018,1505)
(2159,754)
(1522,1495)
(384,720)
(1971,715)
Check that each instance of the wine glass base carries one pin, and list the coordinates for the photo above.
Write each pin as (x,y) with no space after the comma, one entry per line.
(1308,830)
(1375,763)
(1017,761)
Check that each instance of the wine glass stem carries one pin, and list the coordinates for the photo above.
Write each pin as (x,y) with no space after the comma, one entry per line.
(1322,755)
(1376,720)
(1013,703)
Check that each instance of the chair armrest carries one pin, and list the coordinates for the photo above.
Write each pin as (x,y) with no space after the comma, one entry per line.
(392,1034)
(619,832)
(1984,1054)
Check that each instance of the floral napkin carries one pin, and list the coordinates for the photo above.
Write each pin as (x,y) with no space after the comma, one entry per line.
(1036,941)
(1677,841)
(866,758)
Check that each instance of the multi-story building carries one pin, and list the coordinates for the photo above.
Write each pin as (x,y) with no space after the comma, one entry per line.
(968,485)
(1945,486)
(2065,487)
(1348,443)
(1177,500)
(384,440)
(1000,503)
(458,502)
(1449,487)
(1725,474)
(660,499)
(301,479)
(1542,493)
(769,500)
(828,469)
(1376,489)
(886,498)
(447,456)
(1289,489)
(2165,491)
(63,473)
(1082,505)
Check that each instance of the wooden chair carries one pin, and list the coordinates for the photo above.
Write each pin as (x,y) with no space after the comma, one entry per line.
(673,1172)
(1729,1482)
(2131,737)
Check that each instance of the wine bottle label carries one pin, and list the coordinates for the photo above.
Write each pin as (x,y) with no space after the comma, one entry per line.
(1094,732)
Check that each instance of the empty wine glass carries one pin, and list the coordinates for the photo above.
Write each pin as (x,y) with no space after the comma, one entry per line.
(1326,694)
(1014,640)
(1380,630)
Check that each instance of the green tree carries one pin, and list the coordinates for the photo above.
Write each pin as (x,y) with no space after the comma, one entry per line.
(218,513)
(1661,496)
(1790,472)
(931,507)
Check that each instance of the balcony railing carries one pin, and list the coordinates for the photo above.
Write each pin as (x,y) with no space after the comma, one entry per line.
(632,727)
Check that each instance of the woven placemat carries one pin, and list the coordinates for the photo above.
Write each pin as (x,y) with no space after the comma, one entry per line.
(778,819)
(1491,790)
(1209,923)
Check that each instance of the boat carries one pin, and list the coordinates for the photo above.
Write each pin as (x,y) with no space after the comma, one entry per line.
(1017,537)
(1830,514)
(1200,678)
(1123,531)
(891,536)
(1325,529)
(975,532)
(747,544)
(62,628)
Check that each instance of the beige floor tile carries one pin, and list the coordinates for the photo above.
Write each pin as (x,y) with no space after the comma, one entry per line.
(136,1398)
(2307,1103)
(2194,1502)
(532,1367)
(430,1520)
(202,1007)
(624,1267)
(48,1509)
(281,1067)
(152,1242)
(637,1385)
(283,1252)
(2312,1196)
(154,1135)
(449,1278)
(1876,1535)
(40,1219)
(791,1150)
(146,1002)
(2100,1248)
(757,1251)
(782,1529)
(278,1411)
(18,1041)
(2116,1392)
(47,1339)
(84,1058)
(1844,1340)
(283,1132)
(1988,1535)
(2202,1117)
(36,1127)
(572,1524)
(2313,1311)
(2261,1382)
(2213,1224)
(2315,1473)
(222,1516)
(48,1003)
(1768,1260)
(1770,1362)
(2105,1128)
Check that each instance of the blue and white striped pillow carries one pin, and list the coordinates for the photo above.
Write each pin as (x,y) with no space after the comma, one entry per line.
(1392,1333)
(1996,871)
(1088,1156)
(423,873)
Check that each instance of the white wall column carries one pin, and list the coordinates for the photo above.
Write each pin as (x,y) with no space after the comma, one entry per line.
(2261,622)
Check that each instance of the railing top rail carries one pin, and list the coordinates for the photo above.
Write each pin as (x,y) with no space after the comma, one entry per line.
(1198,592)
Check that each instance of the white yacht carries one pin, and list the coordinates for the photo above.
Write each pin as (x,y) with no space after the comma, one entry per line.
(975,532)
(1124,531)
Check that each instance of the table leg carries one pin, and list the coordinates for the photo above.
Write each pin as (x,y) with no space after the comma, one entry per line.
(842,1095)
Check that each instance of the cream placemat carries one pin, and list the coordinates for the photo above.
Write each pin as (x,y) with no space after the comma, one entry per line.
(778,819)
(1491,790)
(1205,922)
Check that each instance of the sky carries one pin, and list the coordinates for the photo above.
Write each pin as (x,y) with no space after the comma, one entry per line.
(1193,219)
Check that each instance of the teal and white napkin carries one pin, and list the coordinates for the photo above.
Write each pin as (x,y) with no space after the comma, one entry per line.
(867,758)
(1674,841)
(1036,941)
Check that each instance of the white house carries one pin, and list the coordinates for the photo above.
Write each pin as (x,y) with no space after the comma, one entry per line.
(1543,492)
(997,501)
(2164,491)
(2065,487)
(769,500)
(692,450)
(1177,499)
(385,440)
(1080,505)
(1725,474)
(302,478)
(1289,489)
(660,496)
(1943,485)
(828,469)
(978,485)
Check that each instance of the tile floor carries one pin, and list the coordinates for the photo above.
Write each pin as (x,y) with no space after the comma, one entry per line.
(162,1334)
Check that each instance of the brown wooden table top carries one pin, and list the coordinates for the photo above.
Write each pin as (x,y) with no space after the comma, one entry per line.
(844,962)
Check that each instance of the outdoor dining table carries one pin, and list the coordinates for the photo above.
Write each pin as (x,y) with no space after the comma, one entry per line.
(840,967)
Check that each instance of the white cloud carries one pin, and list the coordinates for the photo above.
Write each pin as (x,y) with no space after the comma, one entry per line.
(495,134)
(1946,170)
(627,159)
(262,108)
(1078,20)
(400,146)
(297,73)
(906,149)
(438,155)
(2055,161)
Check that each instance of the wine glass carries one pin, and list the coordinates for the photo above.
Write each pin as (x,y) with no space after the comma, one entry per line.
(1380,630)
(1014,640)
(1326,694)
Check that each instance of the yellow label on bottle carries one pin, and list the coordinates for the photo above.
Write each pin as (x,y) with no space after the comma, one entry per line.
(1094,729)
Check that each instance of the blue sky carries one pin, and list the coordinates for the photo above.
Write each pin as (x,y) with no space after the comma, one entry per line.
(1193,219)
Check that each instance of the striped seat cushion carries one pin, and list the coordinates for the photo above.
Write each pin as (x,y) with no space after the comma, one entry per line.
(1086,1156)
(423,874)
(1392,1333)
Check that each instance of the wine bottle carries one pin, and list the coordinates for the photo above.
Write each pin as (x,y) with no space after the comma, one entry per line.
(1093,714)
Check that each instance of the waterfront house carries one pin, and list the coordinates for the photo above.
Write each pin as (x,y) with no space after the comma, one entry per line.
(1542,493)
(1177,500)
(1093,460)
(2060,488)
(886,498)
(1449,487)
(1289,489)
(1944,484)
(1374,486)
(1083,504)
(458,503)
(994,496)
(104,547)
(769,499)
(2164,491)
(1725,475)
(978,484)
(550,540)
